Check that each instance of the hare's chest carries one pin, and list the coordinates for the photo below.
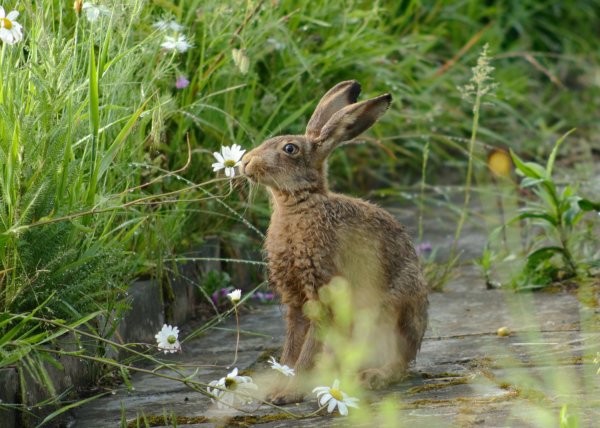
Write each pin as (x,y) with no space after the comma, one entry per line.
(300,261)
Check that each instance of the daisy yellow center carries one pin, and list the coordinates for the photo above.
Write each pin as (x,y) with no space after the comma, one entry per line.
(6,23)
(230,383)
(336,394)
(229,163)
(171,339)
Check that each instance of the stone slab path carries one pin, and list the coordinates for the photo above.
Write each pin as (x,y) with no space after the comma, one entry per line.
(465,374)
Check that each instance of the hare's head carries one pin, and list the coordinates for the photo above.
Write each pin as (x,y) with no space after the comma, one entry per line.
(296,163)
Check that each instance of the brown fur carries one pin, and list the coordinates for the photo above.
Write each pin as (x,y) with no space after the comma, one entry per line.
(316,235)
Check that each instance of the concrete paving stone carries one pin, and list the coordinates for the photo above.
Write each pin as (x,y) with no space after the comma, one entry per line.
(465,374)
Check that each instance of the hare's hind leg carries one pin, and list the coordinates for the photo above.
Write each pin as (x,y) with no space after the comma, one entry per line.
(391,371)
(398,341)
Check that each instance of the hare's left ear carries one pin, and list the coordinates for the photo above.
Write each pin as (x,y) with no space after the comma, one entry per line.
(351,121)
(338,97)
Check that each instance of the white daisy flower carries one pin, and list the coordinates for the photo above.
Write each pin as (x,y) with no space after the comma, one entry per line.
(11,31)
(283,369)
(228,389)
(93,12)
(335,398)
(163,25)
(179,44)
(167,339)
(235,295)
(229,158)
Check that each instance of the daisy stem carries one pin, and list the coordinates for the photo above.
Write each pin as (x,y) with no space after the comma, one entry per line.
(237,339)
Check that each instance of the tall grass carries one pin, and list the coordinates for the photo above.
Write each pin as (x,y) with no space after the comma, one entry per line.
(105,165)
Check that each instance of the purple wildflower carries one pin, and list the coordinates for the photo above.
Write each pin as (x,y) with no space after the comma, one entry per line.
(424,247)
(181,82)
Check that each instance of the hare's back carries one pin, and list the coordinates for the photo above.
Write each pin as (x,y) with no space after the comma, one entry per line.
(374,248)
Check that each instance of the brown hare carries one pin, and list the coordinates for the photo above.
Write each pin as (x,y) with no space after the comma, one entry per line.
(316,235)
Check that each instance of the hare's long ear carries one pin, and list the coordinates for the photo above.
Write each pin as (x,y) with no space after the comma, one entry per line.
(351,121)
(338,97)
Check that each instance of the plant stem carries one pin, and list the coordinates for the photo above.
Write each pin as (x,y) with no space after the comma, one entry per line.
(237,339)
(468,180)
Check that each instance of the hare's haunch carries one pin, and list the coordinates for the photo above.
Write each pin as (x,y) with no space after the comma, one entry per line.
(316,235)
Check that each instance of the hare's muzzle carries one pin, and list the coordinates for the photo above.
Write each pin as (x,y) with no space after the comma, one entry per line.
(246,166)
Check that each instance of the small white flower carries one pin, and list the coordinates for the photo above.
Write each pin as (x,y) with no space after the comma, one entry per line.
(335,397)
(163,25)
(167,339)
(228,389)
(283,369)
(235,295)
(229,158)
(93,12)
(179,44)
(11,31)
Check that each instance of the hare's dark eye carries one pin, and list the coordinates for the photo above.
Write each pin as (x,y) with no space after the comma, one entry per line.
(290,149)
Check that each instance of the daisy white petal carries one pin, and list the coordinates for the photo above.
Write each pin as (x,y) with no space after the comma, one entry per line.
(219,157)
(325,398)
(342,408)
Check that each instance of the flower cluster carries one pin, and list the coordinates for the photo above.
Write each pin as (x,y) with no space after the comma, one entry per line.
(176,42)
(481,83)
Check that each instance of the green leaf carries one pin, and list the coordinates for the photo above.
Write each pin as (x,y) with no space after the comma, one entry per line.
(552,158)
(587,205)
(68,407)
(94,117)
(542,254)
(120,139)
(572,215)
(542,216)
(529,169)
(530,182)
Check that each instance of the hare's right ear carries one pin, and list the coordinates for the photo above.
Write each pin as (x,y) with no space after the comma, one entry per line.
(338,97)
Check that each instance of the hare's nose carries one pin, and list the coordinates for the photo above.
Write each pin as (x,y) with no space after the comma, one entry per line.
(246,160)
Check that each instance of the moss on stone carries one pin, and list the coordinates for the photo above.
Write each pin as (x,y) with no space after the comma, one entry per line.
(434,386)
(442,375)
(235,421)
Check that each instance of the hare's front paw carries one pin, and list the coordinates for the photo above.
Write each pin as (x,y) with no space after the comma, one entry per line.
(285,396)
(373,378)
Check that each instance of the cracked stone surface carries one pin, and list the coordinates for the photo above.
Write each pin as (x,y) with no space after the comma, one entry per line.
(465,374)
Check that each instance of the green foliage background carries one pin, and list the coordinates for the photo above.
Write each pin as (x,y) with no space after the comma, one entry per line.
(67,154)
